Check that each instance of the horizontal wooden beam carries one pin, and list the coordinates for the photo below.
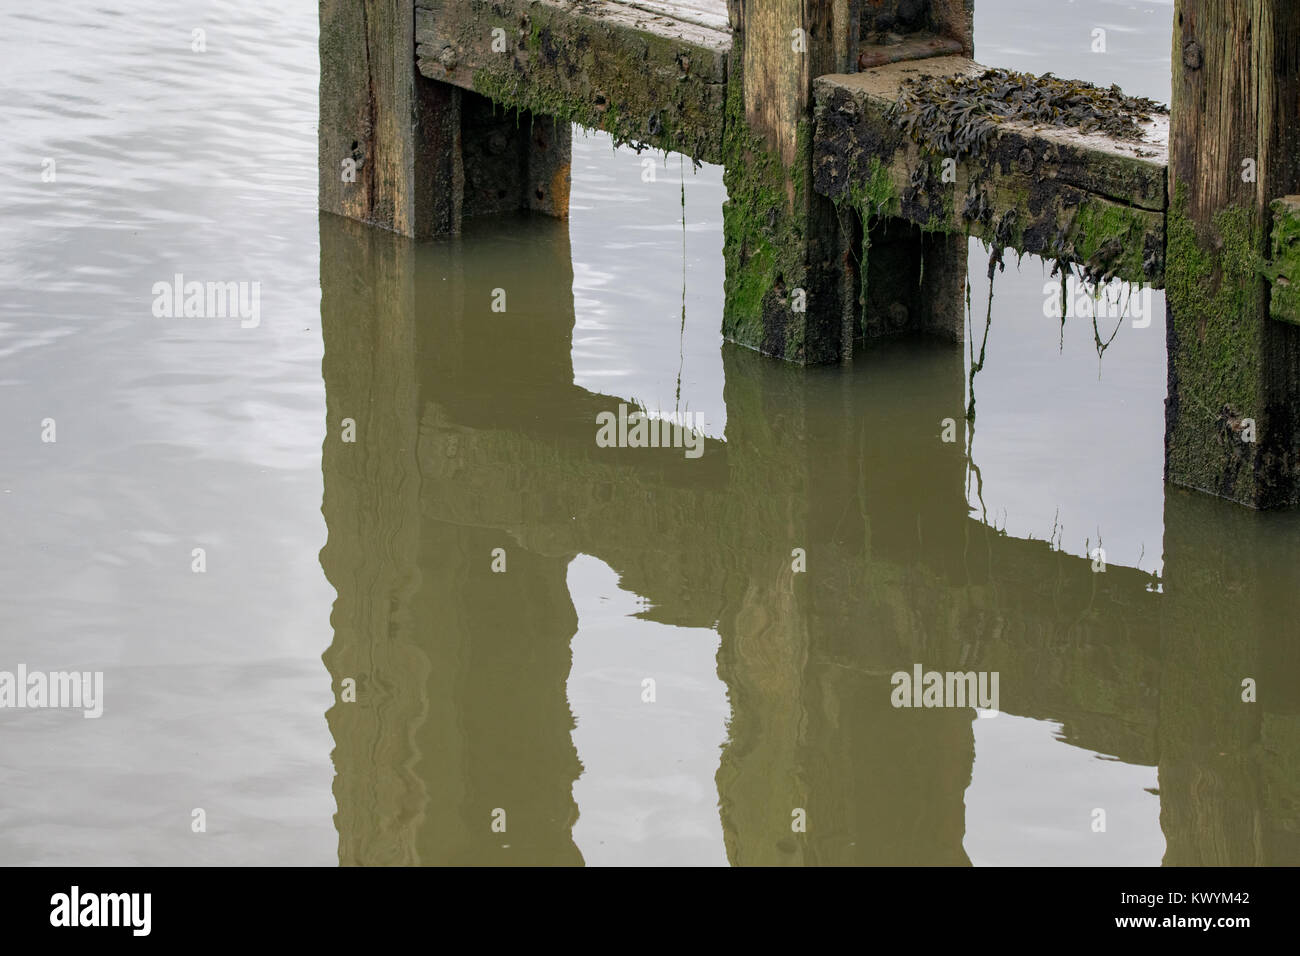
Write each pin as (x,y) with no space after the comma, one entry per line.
(1055,192)
(632,70)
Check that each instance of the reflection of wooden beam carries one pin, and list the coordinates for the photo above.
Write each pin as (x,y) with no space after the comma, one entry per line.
(1072,645)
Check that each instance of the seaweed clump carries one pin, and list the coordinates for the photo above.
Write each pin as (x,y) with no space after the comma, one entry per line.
(955,115)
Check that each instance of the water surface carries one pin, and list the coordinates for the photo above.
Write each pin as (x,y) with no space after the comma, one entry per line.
(523,691)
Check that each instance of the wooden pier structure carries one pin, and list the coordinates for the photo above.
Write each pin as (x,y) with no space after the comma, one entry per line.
(841,226)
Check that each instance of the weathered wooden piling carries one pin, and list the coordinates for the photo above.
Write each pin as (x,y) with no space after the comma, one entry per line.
(414,155)
(1233,411)
(786,262)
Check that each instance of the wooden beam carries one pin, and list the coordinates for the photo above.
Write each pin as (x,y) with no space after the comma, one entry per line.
(643,76)
(1085,198)
(1233,411)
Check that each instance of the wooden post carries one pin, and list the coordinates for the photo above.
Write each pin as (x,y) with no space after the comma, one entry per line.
(1233,411)
(414,155)
(790,272)
(794,286)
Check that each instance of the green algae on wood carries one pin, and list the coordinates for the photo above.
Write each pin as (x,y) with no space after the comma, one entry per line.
(1052,193)
(1215,350)
(768,283)
(790,277)
(1233,412)
(651,81)
(1283,269)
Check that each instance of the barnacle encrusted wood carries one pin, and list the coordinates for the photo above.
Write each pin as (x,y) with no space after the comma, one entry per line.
(1056,190)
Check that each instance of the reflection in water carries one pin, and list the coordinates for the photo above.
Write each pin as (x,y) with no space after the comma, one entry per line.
(471,436)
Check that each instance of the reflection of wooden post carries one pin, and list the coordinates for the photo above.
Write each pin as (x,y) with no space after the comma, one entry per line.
(812,726)
(763,624)
(372,507)
(1234,143)
(414,155)
(460,670)
(763,660)
(1229,791)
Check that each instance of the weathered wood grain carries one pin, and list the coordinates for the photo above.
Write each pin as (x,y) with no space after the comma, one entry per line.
(920,47)
(398,132)
(704,13)
(642,76)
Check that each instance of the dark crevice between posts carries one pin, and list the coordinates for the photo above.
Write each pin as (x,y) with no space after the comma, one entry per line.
(891,31)
(513,160)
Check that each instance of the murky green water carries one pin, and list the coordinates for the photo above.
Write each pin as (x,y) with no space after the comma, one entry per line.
(520,695)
